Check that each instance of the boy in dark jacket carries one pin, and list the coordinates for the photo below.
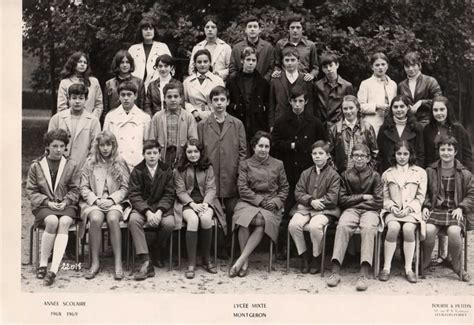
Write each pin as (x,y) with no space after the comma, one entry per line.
(361,195)
(152,194)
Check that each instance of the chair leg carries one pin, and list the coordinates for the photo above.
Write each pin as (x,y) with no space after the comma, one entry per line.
(232,250)
(78,243)
(417,253)
(32,229)
(271,257)
(132,249)
(179,249)
(323,252)
(127,263)
(465,251)
(422,269)
(288,251)
(377,256)
(170,267)
(215,242)
(37,231)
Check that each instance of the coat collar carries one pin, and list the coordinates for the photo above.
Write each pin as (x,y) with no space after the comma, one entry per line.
(211,121)
(45,168)
(303,40)
(457,165)
(392,134)
(83,120)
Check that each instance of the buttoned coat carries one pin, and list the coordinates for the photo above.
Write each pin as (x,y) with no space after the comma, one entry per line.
(326,189)
(197,94)
(153,98)
(186,130)
(137,51)
(255,115)
(184,185)
(220,58)
(225,149)
(94,102)
(39,187)
(463,190)
(388,137)
(152,193)
(130,130)
(87,129)
(265,61)
(280,89)
(288,130)
(426,88)
(259,180)
(328,99)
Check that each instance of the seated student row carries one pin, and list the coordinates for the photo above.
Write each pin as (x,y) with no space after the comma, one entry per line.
(176,102)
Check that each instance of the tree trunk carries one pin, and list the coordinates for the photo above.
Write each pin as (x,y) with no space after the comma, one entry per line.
(52,62)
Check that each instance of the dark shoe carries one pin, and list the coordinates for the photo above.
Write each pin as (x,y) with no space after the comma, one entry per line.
(222,254)
(209,267)
(49,278)
(119,275)
(411,277)
(305,263)
(91,274)
(158,263)
(315,270)
(243,272)
(361,284)
(233,272)
(189,274)
(384,275)
(41,272)
(333,280)
(146,271)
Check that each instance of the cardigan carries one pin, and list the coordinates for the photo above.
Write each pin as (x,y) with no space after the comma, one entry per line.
(94,98)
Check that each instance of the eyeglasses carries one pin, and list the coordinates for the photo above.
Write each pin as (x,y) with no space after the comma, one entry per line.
(357,156)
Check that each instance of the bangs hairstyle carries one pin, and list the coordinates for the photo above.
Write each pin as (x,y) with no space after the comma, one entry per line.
(173,85)
(361,147)
(146,22)
(411,119)
(202,52)
(77,89)
(202,164)
(251,19)
(378,55)
(117,165)
(297,91)
(117,60)
(258,135)
(219,90)
(450,117)
(150,144)
(352,99)
(294,19)
(328,58)
(56,134)
(209,18)
(69,68)
(400,144)
(447,139)
(290,51)
(127,85)
(165,59)
(247,52)
(325,145)
(411,58)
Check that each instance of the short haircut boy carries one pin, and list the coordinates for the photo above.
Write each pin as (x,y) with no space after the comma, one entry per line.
(129,86)
(78,89)
(328,58)
(447,140)
(248,51)
(294,19)
(291,51)
(219,90)
(172,85)
(150,144)
(361,147)
(411,58)
(297,92)
(251,19)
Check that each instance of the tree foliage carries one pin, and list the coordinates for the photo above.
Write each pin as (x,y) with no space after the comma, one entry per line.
(439,30)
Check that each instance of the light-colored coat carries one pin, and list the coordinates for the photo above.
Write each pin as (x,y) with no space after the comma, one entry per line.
(220,58)
(197,94)
(39,187)
(93,104)
(87,129)
(130,130)
(137,51)
(225,149)
(186,130)
(184,185)
(404,193)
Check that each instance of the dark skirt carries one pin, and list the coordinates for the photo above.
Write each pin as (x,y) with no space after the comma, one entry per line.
(41,213)
(443,217)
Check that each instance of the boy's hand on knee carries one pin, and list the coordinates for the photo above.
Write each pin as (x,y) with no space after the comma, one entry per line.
(457,214)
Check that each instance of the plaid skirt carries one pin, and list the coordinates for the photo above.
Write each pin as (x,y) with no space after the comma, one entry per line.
(442,213)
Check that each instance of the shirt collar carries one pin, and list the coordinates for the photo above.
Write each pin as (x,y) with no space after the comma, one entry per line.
(303,40)
(177,112)
(415,77)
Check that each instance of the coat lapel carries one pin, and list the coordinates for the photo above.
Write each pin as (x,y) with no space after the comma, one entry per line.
(211,120)
(68,122)
(80,124)
(47,174)
(62,164)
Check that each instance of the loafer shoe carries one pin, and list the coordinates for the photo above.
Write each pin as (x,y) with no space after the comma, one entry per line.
(333,280)
(384,275)
(49,278)
(361,284)
(146,271)
(411,277)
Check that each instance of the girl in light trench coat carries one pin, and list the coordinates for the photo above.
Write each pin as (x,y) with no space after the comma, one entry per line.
(197,203)
(404,190)
(263,189)
(104,188)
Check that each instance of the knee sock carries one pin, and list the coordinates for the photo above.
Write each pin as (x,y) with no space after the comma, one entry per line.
(389,250)
(191,242)
(455,250)
(47,243)
(58,251)
(409,249)
(205,236)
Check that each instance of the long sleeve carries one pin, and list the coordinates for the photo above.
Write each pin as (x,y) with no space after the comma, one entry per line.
(210,189)
(242,142)
(62,96)
(73,185)
(121,193)
(417,202)
(245,192)
(388,203)
(86,190)
(467,203)
(420,147)
(272,105)
(33,192)
(135,194)
(283,188)
(301,194)
(366,107)
(180,187)
(98,106)
(167,199)
(346,198)
(330,199)
(148,102)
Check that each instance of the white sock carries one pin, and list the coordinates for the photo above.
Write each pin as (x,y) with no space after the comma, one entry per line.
(409,249)
(389,250)
(59,247)
(47,242)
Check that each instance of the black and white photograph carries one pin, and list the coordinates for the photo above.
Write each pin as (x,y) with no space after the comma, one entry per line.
(238,161)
